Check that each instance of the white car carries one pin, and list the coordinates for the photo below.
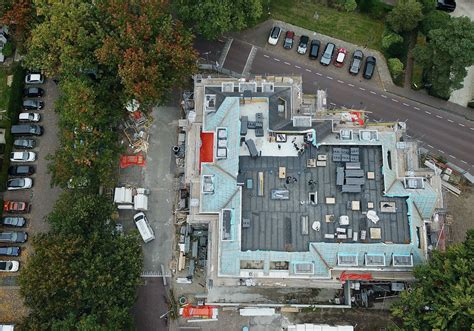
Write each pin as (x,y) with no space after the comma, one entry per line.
(9,266)
(19,183)
(34,79)
(274,36)
(29,117)
(22,156)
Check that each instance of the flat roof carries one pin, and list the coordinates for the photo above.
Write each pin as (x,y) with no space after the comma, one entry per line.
(277,225)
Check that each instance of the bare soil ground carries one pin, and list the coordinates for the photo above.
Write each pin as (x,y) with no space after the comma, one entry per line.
(462,209)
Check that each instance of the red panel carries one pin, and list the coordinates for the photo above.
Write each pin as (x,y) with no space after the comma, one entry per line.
(351,276)
(206,154)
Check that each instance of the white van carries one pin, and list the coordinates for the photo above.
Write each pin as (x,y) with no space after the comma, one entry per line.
(144,227)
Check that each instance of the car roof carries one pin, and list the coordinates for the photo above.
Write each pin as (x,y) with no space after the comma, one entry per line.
(358,52)
(315,41)
(304,38)
(290,33)
(371,59)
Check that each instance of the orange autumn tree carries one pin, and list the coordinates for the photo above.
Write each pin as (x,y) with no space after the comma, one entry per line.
(19,16)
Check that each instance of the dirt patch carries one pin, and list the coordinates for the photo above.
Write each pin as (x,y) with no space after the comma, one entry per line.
(12,309)
(462,209)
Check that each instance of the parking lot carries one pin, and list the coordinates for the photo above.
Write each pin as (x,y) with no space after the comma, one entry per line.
(41,196)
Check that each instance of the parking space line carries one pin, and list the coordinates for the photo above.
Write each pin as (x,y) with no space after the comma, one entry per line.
(297,66)
(361,88)
(439,116)
(351,85)
(287,63)
(319,74)
(430,146)
(332,103)
(441,151)
(460,124)
(427,112)
(373,92)
(265,55)
(276,59)
(452,156)
(416,108)
(471,129)
(329,77)
(383,96)
(450,121)
(308,70)
(463,161)
(406,104)
(340,81)
(394,100)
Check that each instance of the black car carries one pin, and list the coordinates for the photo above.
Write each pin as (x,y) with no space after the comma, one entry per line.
(446,5)
(10,251)
(369,67)
(13,237)
(32,104)
(314,49)
(288,43)
(13,221)
(21,170)
(24,143)
(33,92)
(356,62)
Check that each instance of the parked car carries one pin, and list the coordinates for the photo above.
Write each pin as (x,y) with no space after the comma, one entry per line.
(27,130)
(14,221)
(17,207)
(314,49)
(24,143)
(10,250)
(340,57)
(29,117)
(446,5)
(356,62)
(288,43)
(9,266)
(19,183)
(21,170)
(33,92)
(33,104)
(274,35)
(13,237)
(22,156)
(143,226)
(34,78)
(369,67)
(326,58)
(303,45)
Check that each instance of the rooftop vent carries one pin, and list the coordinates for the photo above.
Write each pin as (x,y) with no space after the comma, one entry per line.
(302,121)
(227,87)
(305,268)
(346,134)
(368,135)
(413,183)
(268,88)
(347,260)
(210,103)
(402,260)
(208,184)
(375,260)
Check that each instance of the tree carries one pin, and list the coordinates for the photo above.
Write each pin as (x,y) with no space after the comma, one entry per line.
(396,67)
(447,54)
(436,19)
(83,274)
(443,295)
(65,40)
(346,5)
(392,43)
(427,6)
(19,16)
(212,18)
(405,16)
(149,51)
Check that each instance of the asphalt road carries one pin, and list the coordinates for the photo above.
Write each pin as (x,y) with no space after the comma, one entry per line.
(440,132)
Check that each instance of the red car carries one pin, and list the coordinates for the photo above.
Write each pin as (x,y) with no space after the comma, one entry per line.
(340,57)
(16,207)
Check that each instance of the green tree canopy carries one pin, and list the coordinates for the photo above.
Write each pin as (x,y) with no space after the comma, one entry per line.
(443,295)
(405,15)
(82,275)
(396,67)
(212,18)
(447,54)
(436,19)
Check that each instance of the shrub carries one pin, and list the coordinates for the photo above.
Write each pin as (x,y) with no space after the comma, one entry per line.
(392,43)
(345,5)
(396,67)
(8,50)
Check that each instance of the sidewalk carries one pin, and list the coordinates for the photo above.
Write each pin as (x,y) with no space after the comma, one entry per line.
(258,36)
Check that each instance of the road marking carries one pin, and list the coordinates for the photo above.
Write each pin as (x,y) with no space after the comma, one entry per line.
(332,103)
(329,77)
(406,104)
(319,74)
(265,55)
(471,129)
(383,96)
(463,161)
(416,108)
(460,124)
(439,116)
(394,100)
(408,136)
(287,63)
(351,85)
(297,66)
(361,88)
(308,70)
(340,81)
(452,156)
(430,146)
(450,121)
(441,151)
(373,92)
(276,59)
(427,112)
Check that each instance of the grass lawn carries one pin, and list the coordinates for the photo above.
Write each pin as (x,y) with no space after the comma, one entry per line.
(4,89)
(353,27)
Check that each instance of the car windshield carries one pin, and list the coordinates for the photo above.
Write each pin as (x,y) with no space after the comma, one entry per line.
(340,57)
(275,32)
